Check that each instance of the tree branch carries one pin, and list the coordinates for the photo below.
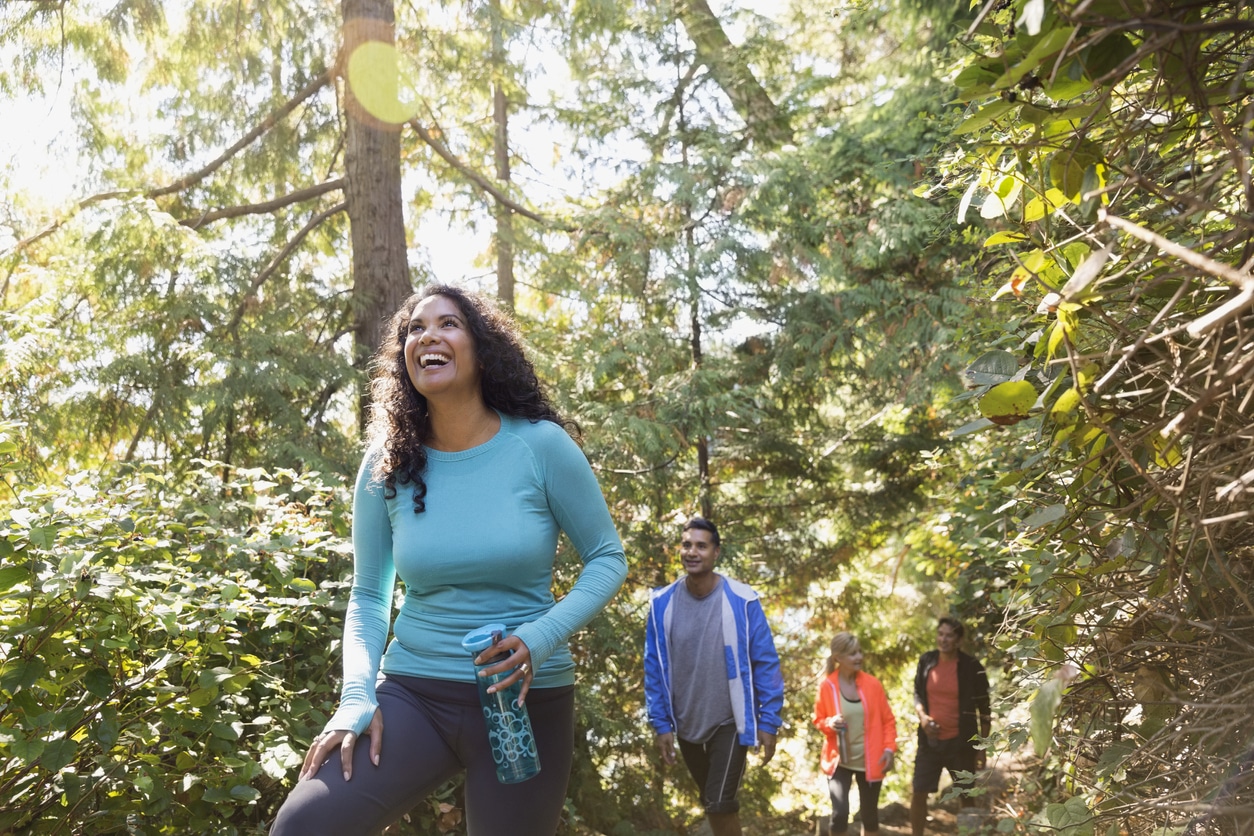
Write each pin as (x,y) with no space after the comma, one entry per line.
(266,206)
(291,245)
(57,224)
(1242,280)
(750,99)
(191,179)
(478,179)
(264,125)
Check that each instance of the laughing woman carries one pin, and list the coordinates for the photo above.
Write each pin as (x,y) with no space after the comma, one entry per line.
(859,734)
(468,479)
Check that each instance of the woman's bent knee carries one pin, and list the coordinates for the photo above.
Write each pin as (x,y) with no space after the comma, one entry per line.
(308,811)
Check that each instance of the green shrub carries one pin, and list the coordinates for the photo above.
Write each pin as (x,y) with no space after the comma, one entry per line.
(166,648)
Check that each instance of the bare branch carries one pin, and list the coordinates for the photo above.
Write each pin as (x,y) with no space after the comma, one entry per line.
(1188,256)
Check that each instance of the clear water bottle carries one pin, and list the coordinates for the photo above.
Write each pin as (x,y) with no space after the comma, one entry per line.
(509,726)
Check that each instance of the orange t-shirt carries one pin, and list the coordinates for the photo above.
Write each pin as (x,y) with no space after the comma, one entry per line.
(942,697)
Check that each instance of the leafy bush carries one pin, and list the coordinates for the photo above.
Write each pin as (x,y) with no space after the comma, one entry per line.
(166,648)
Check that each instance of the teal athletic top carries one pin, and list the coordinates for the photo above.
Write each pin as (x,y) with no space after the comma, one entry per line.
(482,551)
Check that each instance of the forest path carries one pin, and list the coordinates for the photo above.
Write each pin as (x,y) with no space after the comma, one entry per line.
(1003,781)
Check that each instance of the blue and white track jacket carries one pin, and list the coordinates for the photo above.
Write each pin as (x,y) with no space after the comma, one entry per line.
(753,676)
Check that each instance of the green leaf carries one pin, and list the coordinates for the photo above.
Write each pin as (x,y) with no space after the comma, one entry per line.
(98,682)
(22,673)
(1008,403)
(202,697)
(11,576)
(1067,403)
(1045,516)
(991,368)
(984,116)
(106,731)
(972,427)
(1106,54)
(1046,47)
(58,754)
(27,750)
(225,731)
(1071,818)
(1005,237)
(1003,195)
(44,536)
(975,74)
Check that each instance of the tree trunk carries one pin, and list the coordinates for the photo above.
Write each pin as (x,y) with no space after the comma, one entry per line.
(703,441)
(372,166)
(766,122)
(500,145)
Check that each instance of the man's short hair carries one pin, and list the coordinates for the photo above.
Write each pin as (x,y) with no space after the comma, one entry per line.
(705,525)
(954,624)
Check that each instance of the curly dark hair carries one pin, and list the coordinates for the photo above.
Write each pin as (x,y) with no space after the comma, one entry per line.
(399,422)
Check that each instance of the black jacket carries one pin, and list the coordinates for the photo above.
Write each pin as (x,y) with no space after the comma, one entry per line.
(972,693)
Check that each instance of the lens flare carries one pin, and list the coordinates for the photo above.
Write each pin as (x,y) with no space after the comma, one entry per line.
(383,82)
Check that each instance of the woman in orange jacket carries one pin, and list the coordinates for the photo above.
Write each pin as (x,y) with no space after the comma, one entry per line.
(860,734)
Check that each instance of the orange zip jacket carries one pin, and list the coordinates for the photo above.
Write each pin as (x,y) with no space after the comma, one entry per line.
(880,729)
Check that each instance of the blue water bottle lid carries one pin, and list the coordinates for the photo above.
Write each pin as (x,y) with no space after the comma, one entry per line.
(481,638)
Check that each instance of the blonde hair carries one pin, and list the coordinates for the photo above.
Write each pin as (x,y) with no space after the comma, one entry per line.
(843,643)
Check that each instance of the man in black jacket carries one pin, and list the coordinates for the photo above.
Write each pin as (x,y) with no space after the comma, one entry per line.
(951,699)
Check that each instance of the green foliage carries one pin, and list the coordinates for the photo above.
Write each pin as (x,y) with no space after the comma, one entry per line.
(776,333)
(166,651)
(143,350)
(1096,149)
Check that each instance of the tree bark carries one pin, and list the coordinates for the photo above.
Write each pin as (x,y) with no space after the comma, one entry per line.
(766,122)
(500,147)
(698,357)
(372,167)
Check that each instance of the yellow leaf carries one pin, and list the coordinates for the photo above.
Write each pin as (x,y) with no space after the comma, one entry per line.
(1008,403)
(1004,237)
(1033,211)
(1068,402)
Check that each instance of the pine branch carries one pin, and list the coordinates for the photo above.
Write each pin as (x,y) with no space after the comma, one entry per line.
(478,179)
(191,179)
(264,125)
(57,224)
(265,206)
(282,255)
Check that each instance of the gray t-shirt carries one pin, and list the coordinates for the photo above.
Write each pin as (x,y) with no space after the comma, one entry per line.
(700,691)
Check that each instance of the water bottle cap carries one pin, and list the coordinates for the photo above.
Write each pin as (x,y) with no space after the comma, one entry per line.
(480,638)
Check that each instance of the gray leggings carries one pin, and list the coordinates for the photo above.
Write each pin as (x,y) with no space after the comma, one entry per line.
(434,729)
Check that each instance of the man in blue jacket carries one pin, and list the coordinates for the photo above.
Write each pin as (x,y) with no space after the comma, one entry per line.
(711,675)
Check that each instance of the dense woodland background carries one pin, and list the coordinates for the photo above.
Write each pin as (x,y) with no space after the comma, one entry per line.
(932,307)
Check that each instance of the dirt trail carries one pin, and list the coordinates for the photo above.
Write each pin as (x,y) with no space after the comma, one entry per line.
(944,817)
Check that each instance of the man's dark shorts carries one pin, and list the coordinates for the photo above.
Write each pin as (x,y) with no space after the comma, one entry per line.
(717,766)
(954,755)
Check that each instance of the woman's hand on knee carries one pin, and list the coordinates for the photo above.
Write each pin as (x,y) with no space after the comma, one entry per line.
(327,742)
